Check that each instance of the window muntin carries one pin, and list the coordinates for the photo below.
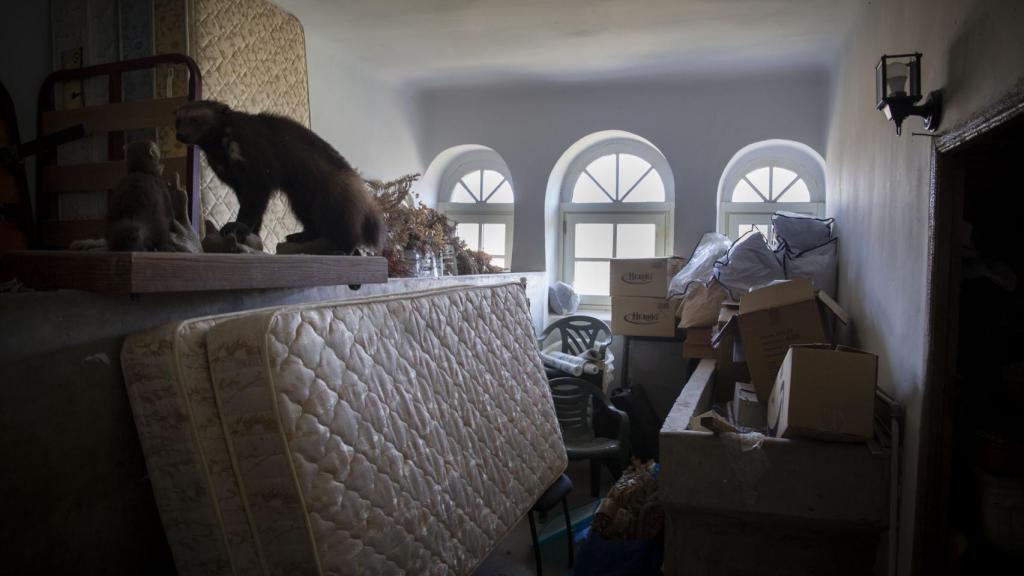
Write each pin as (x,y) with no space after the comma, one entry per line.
(482,187)
(771,184)
(481,205)
(491,237)
(593,239)
(618,177)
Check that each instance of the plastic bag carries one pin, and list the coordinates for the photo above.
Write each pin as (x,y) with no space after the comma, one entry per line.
(819,264)
(701,305)
(797,233)
(750,263)
(701,265)
(562,299)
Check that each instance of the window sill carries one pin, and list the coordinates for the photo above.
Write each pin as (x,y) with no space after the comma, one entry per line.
(603,313)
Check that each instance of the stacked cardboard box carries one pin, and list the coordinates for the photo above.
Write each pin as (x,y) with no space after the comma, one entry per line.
(639,290)
(771,319)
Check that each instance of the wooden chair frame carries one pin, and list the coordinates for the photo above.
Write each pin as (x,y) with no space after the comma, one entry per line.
(113,118)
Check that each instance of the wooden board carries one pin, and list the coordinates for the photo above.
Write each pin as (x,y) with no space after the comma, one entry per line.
(119,116)
(152,272)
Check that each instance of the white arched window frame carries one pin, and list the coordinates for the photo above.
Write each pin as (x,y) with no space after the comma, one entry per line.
(616,226)
(477,193)
(767,177)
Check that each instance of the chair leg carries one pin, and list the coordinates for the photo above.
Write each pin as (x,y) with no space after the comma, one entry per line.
(595,478)
(536,545)
(568,528)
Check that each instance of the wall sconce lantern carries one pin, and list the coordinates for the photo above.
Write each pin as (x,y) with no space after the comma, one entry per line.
(898,89)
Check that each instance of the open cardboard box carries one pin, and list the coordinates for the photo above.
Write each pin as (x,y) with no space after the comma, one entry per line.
(825,392)
(775,317)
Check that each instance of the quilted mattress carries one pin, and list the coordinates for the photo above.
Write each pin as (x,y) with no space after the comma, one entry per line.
(403,434)
(253,57)
(172,398)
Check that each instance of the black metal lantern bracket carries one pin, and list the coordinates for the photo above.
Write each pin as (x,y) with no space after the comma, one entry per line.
(897,100)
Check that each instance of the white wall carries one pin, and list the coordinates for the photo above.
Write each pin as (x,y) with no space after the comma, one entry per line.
(879,183)
(371,122)
(698,124)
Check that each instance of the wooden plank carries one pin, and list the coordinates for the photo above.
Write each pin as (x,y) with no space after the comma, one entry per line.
(694,399)
(63,233)
(154,272)
(51,270)
(112,117)
(99,176)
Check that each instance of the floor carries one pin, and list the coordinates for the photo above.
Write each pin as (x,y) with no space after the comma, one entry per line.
(513,556)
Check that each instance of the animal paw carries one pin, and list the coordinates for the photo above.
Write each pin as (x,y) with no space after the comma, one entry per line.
(239,230)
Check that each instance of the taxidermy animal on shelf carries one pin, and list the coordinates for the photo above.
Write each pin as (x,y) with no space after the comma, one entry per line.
(256,154)
(141,209)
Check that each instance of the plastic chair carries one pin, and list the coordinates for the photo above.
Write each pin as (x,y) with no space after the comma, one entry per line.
(579,334)
(557,492)
(577,402)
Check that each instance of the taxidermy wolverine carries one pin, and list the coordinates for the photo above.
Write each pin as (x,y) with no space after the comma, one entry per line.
(256,154)
(141,210)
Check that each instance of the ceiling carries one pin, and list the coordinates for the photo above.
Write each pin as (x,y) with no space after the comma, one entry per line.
(437,42)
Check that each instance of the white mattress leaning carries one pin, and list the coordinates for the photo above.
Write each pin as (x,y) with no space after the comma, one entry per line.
(395,435)
(168,380)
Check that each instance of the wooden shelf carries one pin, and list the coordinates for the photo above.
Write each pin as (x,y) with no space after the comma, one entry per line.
(152,272)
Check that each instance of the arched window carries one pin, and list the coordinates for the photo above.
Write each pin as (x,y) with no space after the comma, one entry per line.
(476,192)
(615,204)
(767,177)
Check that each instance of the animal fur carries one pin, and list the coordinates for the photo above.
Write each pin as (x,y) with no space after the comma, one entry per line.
(256,154)
(141,211)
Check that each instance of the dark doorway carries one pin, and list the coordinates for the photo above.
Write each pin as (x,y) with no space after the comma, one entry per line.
(971,470)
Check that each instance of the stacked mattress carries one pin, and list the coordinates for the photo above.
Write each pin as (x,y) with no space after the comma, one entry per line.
(403,434)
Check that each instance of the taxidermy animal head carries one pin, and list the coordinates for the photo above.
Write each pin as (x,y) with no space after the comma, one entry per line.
(197,122)
(143,156)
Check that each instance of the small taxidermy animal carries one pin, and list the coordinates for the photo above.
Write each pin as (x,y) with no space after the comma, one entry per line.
(141,209)
(256,154)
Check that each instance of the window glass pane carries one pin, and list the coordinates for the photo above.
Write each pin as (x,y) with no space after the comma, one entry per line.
(499,262)
(472,182)
(759,178)
(593,241)
(503,195)
(491,181)
(470,234)
(603,170)
(586,191)
(631,168)
(780,179)
(797,193)
(591,278)
(744,193)
(635,241)
(459,194)
(650,189)
(493,241)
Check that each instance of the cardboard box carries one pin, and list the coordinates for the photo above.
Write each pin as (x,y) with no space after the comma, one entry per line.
(643,277)
(824,392)
(746,409)
(698,344)
(773,318)
(731,365)
(643,317)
